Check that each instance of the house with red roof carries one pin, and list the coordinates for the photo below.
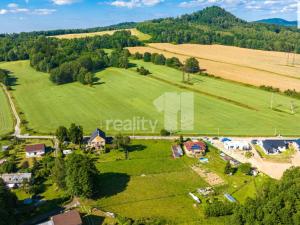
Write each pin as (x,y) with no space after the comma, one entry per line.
(36,150)
(194,148)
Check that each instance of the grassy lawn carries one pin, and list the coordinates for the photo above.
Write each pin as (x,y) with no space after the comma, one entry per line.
(123,94)
(6,119)
(153,184)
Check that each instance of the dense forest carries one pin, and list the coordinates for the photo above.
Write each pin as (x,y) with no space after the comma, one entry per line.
(214,25)
(277,203)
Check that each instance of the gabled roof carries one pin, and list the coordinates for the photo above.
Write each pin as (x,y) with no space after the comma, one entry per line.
(35,148)
(97,133)
(69,218)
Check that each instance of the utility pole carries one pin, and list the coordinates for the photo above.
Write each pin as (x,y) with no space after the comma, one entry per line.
(292,107)
(272,99)
(288,59)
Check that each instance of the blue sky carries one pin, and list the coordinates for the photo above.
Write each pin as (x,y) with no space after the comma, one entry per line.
(29,15)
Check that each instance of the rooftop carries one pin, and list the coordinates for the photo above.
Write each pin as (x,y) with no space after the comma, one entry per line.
(34,148)
(69,218)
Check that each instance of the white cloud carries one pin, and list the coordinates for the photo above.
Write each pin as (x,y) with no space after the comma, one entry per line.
(12,5)
(135,3)
(13,8)
(3,11)
(64,2)
(43,12)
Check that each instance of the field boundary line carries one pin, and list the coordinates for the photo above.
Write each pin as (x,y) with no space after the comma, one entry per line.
(228,63)
(205,93)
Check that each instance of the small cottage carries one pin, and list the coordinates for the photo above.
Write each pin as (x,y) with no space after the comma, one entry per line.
(35,150)
(194,148)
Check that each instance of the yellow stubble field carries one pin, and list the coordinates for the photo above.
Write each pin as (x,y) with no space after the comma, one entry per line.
(247,66)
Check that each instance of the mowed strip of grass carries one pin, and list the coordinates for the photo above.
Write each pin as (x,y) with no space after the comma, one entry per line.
(150,184)
(124,94)
(263,121)
(6,119)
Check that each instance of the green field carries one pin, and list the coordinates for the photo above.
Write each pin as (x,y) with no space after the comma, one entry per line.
(153,184)
(6,120)
(220,106)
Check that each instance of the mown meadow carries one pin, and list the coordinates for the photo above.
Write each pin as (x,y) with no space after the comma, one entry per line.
(220,107)
(6,119)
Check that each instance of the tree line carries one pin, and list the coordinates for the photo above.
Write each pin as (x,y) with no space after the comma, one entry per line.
(190,66)
(69,60)
(214,25)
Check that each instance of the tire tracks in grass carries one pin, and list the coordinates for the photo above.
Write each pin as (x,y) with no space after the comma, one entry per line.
(245,106)
(224,62)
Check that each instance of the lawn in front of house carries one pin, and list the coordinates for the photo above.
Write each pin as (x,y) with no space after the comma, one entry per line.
(283,157)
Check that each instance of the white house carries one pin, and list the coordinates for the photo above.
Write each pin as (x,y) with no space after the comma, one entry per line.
(35,150)
(234,145)
(15,179)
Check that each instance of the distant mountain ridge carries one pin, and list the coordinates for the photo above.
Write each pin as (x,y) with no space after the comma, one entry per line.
(278,21)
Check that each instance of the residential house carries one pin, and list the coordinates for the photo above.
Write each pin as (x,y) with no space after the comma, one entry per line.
(237,145)
(97,139)
(194,148)
(36,150)
(176,151)
(15,179)
(274,146)
(68,218)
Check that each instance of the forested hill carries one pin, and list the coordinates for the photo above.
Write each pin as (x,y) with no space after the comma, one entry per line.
(214,25)
(278,21)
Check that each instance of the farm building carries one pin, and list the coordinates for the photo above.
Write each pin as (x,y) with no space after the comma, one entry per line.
(176,151)
(232,161)
(97,139)
(194,148)
(237,145)
(68,218)
(15,179)
(35,150)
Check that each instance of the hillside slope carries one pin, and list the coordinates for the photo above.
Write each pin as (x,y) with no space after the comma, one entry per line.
(214,25)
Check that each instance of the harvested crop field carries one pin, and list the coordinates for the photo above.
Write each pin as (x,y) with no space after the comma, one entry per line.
(247,66)
(135,32)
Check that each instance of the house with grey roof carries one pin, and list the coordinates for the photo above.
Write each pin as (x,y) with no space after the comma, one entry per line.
(271,147)
(97,139)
